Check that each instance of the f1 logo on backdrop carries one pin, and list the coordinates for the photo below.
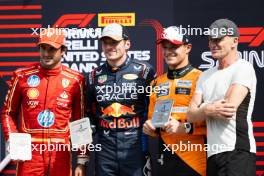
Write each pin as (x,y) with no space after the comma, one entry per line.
(80,20)
(252,35)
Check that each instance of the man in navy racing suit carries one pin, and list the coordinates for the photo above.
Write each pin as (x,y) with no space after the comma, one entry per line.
(117,105)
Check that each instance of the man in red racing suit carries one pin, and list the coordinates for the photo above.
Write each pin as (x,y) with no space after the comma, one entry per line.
(46,96)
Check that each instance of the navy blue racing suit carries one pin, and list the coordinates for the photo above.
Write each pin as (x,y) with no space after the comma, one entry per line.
(117,106)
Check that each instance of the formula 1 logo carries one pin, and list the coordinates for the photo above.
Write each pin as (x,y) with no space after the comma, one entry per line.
(252,35)
(80,20)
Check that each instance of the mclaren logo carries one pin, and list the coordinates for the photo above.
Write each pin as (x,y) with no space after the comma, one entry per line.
(126,19)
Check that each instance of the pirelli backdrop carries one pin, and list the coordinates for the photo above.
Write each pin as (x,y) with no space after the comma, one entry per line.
(21,21)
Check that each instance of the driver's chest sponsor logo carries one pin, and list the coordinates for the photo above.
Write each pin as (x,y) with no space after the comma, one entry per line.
(64,95)
(116,92)
(183,87)
(102,79)
(130,76)
(184,83)
(65,83)
(46,118)
(163,89)
(63,99)
(33,81)
(32,103)
(117,110)
(121,123)
(32,93)
(183,91)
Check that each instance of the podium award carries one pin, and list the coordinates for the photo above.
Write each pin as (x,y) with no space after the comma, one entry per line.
(162,111)
(81,132)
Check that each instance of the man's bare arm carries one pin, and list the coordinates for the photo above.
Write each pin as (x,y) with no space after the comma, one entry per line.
(221,109)
(196,113)
(236,94)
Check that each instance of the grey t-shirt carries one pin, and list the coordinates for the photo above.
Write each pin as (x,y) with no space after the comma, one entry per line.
(237,132)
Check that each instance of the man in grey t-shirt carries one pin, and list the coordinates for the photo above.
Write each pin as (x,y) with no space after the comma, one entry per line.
(224,97)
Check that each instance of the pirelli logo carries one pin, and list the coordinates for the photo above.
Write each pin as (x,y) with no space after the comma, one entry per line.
(126,19)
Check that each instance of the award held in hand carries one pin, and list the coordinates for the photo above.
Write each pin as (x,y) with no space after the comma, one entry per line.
(81,132)
(162,111)
(20,146)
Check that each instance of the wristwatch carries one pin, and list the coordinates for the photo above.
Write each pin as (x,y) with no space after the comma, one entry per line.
(83,160)
(188,127)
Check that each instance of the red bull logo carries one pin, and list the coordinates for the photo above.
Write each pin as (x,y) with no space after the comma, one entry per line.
(117,110)
(121,123)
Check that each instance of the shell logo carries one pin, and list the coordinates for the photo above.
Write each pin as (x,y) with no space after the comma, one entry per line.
(32,93)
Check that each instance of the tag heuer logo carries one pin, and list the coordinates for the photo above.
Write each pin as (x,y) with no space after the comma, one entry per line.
(102,79)
(65,82)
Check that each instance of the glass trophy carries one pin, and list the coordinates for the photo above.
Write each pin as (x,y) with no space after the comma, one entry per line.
(162,111)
